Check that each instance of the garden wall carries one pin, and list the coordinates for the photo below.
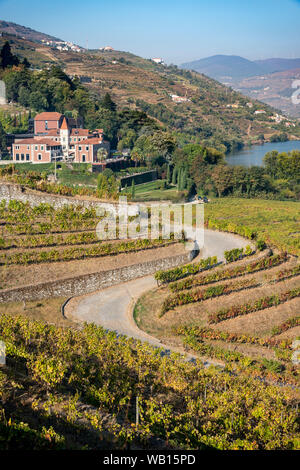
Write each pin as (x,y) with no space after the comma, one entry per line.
(139,178)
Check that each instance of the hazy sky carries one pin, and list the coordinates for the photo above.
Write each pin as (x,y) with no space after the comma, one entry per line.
(177,30)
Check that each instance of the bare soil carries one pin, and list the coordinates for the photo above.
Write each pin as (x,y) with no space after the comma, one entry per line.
(261,323)
(198,313)
(18,275)
(254,324)
(292,333)
(47,310)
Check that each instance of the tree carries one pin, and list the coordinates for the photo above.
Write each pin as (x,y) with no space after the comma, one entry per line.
(169,174)
(183,180)
(3,148)
(38,101)
(107,103)
(26,63)
(101,154)
(175,175)
(132,189)
(24,96)
(6,57)
(222,179)
(179,180)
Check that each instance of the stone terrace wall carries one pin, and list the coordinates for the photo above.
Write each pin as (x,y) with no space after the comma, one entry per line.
(34,198)
(81,284)
(91,282)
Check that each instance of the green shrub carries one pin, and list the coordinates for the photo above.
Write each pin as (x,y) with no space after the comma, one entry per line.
(260,245)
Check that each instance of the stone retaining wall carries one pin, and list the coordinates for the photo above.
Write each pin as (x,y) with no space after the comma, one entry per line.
(9,191)
(91,282)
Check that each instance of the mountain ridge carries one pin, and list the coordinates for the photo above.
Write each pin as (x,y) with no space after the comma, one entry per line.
(25,32)
(234,66)
(220,65)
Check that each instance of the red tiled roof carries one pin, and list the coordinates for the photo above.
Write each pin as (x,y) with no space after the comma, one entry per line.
(47,116)
(64,124)
(37,142)
(52,132)
(91,141)
(79,132)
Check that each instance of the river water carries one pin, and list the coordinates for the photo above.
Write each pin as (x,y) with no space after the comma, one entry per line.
(254,155)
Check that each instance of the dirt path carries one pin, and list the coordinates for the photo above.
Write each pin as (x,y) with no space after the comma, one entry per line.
(112,307)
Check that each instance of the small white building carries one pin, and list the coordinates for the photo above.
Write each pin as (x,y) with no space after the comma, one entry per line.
(179,99)
(158,60)
(106,49)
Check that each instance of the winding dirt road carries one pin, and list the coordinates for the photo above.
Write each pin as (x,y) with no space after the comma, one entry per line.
(112,307)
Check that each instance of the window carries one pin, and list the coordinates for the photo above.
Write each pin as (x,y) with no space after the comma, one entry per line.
(36,147)
(83,158)
(22,156)
(39,156)
(46,125)
(42,147)
(17,156)
(27,156)
(87,148)
(79,148)
(28,147)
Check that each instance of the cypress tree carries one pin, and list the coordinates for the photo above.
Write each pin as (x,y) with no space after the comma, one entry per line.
(183,180)
(175,175)
(3,148)
(169,174)
(179,180)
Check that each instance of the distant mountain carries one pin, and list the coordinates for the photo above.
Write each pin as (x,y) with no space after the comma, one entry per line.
(278,65)
(8,27)
(268,80)
(225,66)
(232,67)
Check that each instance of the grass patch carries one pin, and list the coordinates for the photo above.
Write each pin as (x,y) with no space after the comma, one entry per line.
(154,191)
(46,310)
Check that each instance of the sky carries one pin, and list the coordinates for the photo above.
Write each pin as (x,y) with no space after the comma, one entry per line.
(176,30)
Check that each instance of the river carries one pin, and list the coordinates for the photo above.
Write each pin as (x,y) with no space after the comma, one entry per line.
(254,155)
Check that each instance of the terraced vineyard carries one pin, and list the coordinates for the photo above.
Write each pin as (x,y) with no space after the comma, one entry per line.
(67,389)
(275,222)
(245,313)
(34,238)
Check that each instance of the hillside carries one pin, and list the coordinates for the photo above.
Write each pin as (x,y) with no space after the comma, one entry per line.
(211,113)
(268,80)
(7,27)
(275,89)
